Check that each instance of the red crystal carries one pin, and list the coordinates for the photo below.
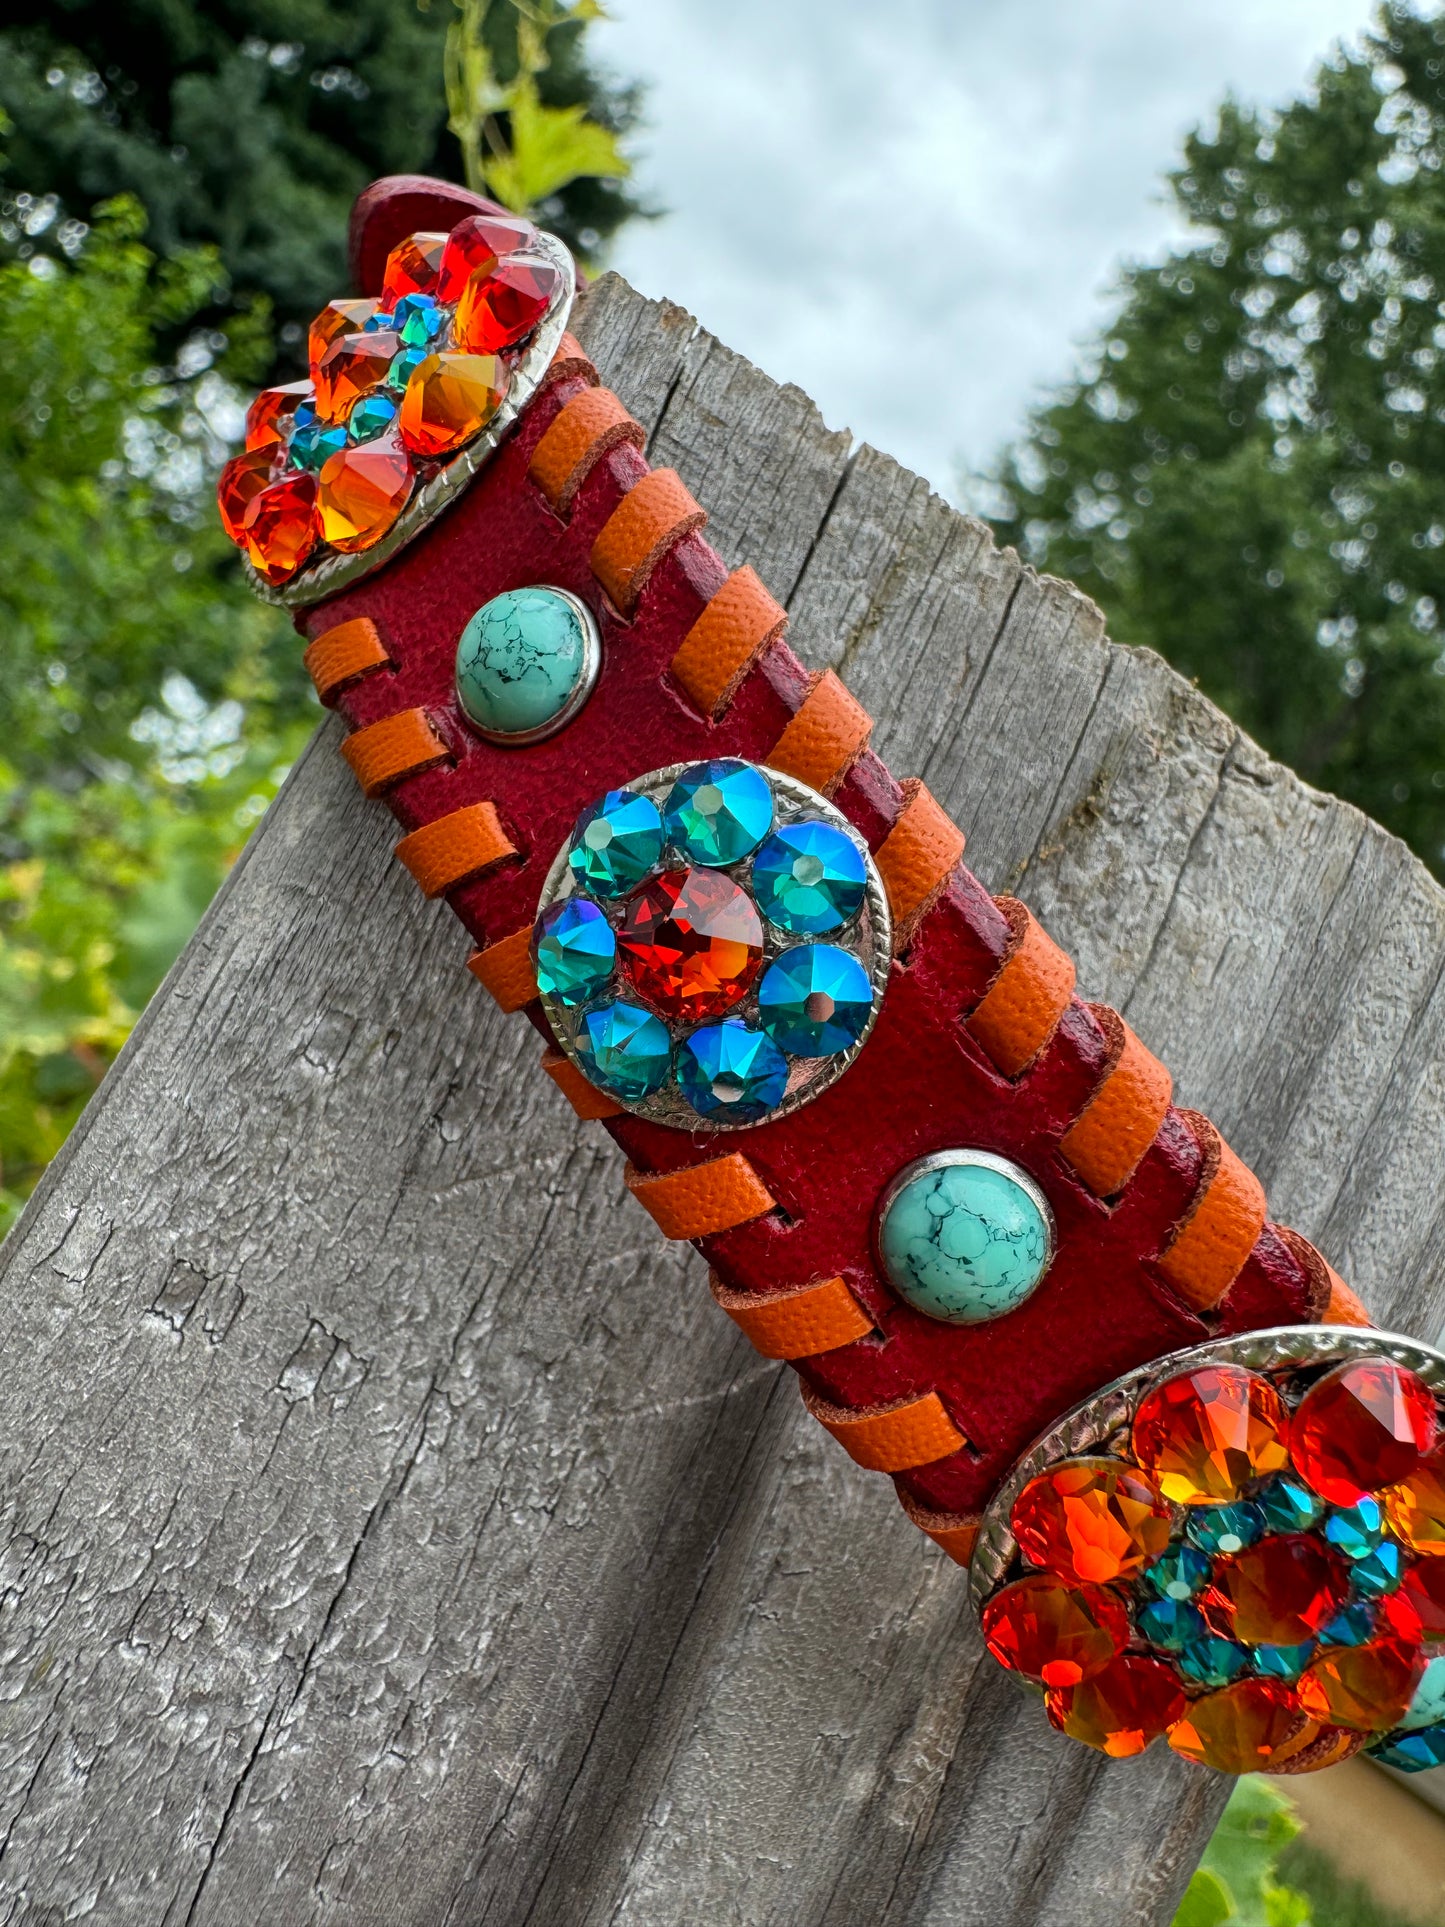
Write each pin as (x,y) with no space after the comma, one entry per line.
(411,267)
(1362,1426)
(475,244)
(1423,1590)
(1242,1728)
(1091,1519)
(337,318)
(1366,1688)
(241,481)
(691,942)
(268,414)
(351,365)
(1208,1433)
(281,527)
(1055,1633)
(1121,1710)
(1278,1593)
(500,304)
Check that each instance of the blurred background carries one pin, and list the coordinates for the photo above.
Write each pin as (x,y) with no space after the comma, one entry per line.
(1160,292)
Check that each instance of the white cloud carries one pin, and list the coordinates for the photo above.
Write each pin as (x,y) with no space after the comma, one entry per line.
(914,209)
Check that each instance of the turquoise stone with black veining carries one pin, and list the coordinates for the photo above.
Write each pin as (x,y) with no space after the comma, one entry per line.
(574,950)
(729,1072)
(964,1243)
(616,843)
(809,878)
(520,660)
(625,1050)
(1427,1705)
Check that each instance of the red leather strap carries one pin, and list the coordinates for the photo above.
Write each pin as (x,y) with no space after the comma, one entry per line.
(340,655)
(799,1323)
(825,738)
(453,848)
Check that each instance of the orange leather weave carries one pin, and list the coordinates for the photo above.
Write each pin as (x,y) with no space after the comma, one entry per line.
(704,1198)
(1020,1010)
(799,1323)
(890,1438)
(956,1532)
(1121,1120)
(649,520)
(400,745)
(338,656)
(576,440)
(571,361)
(505,969)
(455,847)
(734,628)
(826,736)
(1323,1280)
(916,859)
(1204,1255)
(586,1100)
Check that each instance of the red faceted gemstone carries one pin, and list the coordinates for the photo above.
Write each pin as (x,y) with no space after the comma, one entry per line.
(1362,1426)
(281,527)
(1242,1728)
(1121,1710)
(500,304)
(1279,1592)
(1423,1590)
(411,267)
(337,318)
(1366,1688)
(1206,1435)
(1094,1520)
(269,413)
(691,942)
(351,365)
(475,244)
(241,481)
(1055,1633)
(1398,1617)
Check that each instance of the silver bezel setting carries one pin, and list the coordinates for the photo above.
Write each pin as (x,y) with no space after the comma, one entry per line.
(586,682)
(335,571)
(871,942)
(1100,1426)
(947,1161)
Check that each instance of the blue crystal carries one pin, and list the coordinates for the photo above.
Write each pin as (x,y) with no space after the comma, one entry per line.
(1427,1707)
(1413,1752)
(1288,1505)
(1283,1662)
(1178,1573)
(616,843)
(728,1071)
(313,443)
(1379,1571)
(625,1050)
(717,813)
(809,878)
(1226,1528)
(815,1000)
(374,323)
(370,417)
(1212,1662)
(1350,1627)
(418,319)
(1171,1624)
(1355,1530)
(574,950)
(404,365)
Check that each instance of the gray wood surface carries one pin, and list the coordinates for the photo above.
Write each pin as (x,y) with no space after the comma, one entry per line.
(393,1530)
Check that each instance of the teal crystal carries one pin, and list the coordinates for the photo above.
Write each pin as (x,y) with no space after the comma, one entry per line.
(809,878)
(1411,1752)
(1379,1571)
(719,812)
(1355,1530)
(815,1000)
(370,417)
(418,320)
(575,951)
(313,442)
(1225,1528)
(1427,1706)
(376,323)
(730,1073)
(1170,1624)
(1283,1662)
(1288,1505)
(963,1243)
(404,365)
(625,1050)
(521,660)
(1179,1573)
(616,844)
(1211,1661)
(1352,1626)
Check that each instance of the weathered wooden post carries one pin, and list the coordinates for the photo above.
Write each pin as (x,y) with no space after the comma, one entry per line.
(397,1533)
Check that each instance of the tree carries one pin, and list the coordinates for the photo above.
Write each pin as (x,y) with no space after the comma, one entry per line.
(1249,472)
(250,127)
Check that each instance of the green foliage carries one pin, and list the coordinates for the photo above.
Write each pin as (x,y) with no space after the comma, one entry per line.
(1237,1879)
(1249,474)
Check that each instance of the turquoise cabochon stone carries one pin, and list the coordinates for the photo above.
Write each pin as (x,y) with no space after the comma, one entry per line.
(521,659)
(964,1243)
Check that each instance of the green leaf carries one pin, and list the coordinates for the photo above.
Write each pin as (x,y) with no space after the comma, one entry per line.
(1207,1902)
(1240,1862)
(550,146)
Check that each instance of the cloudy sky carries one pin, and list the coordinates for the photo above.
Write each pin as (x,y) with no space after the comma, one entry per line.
(914,208)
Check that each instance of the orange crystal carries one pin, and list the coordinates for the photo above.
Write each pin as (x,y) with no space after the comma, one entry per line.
(412,267)
(1415,1507)
(241,481)
(363,490)
(1093,1519)
(337,318)
(268,414)
(1366,1688)
(281,527)
(502,303)
(1121,1710)
(1241,1728)
(1208,1434)
(350,366)
(1279,1592)
(1055,1633)
(449,399)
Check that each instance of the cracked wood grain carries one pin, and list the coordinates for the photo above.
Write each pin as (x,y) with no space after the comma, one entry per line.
(393,1532)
